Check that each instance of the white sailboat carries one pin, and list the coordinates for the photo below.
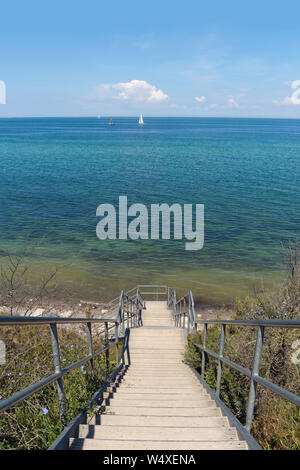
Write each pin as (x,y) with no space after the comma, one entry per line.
(141,122)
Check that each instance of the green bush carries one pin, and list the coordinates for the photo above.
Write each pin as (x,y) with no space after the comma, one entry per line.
(34,423)
(276,423)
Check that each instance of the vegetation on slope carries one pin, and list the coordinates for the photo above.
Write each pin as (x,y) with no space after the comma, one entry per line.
(276,423)
(34,423)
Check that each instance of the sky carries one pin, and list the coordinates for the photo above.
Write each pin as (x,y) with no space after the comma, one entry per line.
(159,58)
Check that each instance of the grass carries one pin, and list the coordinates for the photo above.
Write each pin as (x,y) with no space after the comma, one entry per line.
(34,423)
(276,423)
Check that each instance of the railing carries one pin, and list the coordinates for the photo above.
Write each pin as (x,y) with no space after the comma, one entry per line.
(184,317)
(183,311)
(153,292)
(130,303)
(127,316)
(128,308)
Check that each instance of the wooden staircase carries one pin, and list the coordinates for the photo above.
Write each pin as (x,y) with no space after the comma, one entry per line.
(159,403)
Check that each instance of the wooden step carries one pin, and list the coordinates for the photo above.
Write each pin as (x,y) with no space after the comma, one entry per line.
(175,373)
(182,403)
(150,395)
(114,444)
(134,380)
(158,403)
(173,367)
(151,410)
(157,433)
(161,390)
(177,421)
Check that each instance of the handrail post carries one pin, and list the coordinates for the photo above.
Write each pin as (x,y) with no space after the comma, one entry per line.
(90,347)
(122,317)
(254,372)
(221,350)
(107,350)
(117,341)
(192,311)
(128,312)
(203,352)
(127,348)
(189,314)
(57,368)
(185,331)
(137,309)
(133,314)
(182,316)
(136,314)
(174,303)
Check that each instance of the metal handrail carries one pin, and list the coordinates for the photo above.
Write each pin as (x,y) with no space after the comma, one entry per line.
(253,374)
(184,317)
(127,316)
(183,310)
(62,441)
(127,310)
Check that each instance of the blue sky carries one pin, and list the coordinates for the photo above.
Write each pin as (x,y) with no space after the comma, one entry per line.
(164,58)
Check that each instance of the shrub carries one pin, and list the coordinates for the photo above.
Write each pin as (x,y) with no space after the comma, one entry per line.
(34,423)
(276,421)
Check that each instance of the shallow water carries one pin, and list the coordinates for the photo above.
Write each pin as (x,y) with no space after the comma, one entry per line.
(56,171)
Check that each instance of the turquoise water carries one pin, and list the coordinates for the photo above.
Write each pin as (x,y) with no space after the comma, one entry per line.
(56,171)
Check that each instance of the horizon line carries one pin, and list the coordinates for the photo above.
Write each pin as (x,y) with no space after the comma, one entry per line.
(95,116)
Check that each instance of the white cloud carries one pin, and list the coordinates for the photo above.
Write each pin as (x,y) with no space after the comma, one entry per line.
(232,102)
(294,98)
(135,90)
(200,99)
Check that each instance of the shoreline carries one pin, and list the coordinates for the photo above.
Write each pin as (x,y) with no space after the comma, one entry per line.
(78,307)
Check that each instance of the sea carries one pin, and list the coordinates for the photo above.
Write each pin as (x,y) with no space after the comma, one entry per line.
(55,172)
